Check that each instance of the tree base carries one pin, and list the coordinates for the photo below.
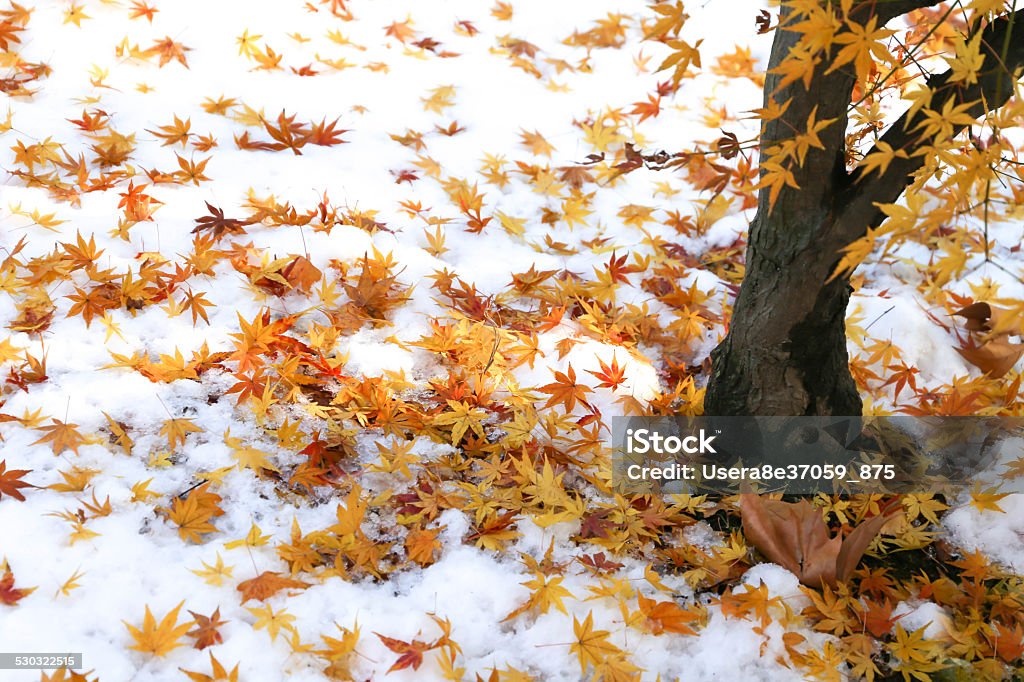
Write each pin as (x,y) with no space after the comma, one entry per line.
(804,372)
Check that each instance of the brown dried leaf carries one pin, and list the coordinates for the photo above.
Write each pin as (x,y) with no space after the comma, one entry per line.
(206,631)
(794,536)
(983,317)
(301,274)
(995,357)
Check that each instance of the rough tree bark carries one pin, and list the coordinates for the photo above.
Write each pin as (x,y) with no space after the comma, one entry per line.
(785,353)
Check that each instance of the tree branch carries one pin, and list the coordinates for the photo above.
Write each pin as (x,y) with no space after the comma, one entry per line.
(890,9)
(821,175)
(856,205)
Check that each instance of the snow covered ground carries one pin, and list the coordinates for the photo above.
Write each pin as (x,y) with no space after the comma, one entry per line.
(442,104)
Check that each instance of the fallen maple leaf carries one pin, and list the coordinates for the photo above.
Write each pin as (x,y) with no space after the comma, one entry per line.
(590,646)
(160,639)
(667,616)
(611,376)
(206,631)
(983,317)
(267,584)
(218,673)
(995,357)
(167,49)
(218,224)
(422,545)
(9,594)
(176,430)
(61,436)
(301,274)
(794,536)
(1008,644)
(878,618)
(192,515)
(10,481)
(410,654)
(565,390)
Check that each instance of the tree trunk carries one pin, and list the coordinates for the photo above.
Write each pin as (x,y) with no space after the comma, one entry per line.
(785,353)
(786,349)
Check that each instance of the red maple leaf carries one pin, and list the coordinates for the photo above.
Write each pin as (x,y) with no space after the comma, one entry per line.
(10,481)
(9,594)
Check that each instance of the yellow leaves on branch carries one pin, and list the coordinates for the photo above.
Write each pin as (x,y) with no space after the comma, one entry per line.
(800,144)
(682,58)
(862,45)
(939,126)
(775,176)
(673,18)
(967,61)
(854,254)
(777,168)
(879,159)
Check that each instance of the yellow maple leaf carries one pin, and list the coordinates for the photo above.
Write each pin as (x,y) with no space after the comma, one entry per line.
(176,430)
(863,44)
(8,351)
(590,646)
(248,457)
(214,575)
(536,143)
(967,60)
(158,639)
(142,493)
(273,622)
(218,673)
(255,538)
(440,99)
(986,500)
(601,134)
(545,592)
(462,418)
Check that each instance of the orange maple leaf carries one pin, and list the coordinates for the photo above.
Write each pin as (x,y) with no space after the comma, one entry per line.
(10,481)
(611,376)
(667,616)
(61,436)
(565,390)
(410,654)
(266,585)
(167,49)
